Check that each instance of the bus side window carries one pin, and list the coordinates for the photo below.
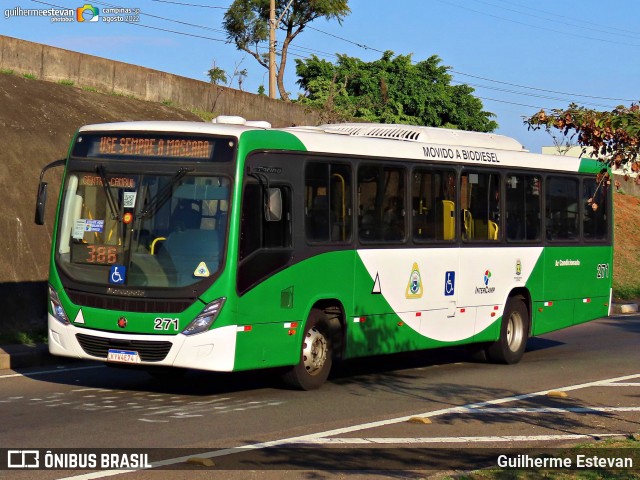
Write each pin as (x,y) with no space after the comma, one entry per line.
(381,200)
(562,208)
(522,208)
(594,201)
(328,202)
(433,205)
(480,215)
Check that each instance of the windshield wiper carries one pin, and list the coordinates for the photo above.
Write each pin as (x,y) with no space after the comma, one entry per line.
(163,194)
(115,214)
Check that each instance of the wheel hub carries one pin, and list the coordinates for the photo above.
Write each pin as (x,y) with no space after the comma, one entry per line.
(314,351)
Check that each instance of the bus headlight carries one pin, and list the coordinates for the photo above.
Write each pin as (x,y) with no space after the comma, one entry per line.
(56,307)
(206,318)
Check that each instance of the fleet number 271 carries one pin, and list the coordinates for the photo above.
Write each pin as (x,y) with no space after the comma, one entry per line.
(603,270)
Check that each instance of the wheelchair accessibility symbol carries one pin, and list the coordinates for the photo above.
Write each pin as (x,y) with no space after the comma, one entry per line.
(449,283)
(117,274)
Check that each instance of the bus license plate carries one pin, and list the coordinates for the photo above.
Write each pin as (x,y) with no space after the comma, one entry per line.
(123,356)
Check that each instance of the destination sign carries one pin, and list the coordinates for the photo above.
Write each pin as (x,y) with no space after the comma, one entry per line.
(146,146)
(96,254)
(155,147)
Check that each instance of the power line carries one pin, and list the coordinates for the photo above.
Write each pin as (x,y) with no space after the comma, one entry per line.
(345,40)
(513,103)
(536,26)
(555,14)
(533,95)
(189,4)
(571,22)
(541,89)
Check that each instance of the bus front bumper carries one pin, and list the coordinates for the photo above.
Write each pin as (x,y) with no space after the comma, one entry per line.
(213,350)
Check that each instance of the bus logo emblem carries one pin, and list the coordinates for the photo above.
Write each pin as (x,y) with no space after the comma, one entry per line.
(122,322)
(414,287)
(518,267)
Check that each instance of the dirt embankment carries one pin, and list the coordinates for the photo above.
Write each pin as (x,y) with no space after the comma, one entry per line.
(37,121)
(626,260)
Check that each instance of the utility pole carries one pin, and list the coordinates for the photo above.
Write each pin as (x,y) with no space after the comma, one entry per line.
(272,49)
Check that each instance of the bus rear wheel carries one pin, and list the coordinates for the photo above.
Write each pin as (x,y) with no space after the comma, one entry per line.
(315,356)
(509,348)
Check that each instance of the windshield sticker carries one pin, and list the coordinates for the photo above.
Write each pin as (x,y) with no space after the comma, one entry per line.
(78,229)
(94,226)
(117,274)
(129,199)
(83,225)
(202,270)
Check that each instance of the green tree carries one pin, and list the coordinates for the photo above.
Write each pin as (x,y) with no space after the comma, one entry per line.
(217,75)
(613,136)
(247,25)
(391,90)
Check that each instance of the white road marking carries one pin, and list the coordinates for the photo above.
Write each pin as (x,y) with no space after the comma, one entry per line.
(353,428)
(489,411)
(498,438)
(622,384)
(44,372)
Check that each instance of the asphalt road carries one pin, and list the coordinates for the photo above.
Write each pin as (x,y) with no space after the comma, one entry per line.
(397,404)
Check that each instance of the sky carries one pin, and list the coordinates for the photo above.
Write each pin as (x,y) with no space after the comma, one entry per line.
(519,56)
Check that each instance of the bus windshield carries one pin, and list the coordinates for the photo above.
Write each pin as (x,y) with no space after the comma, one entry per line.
(142,230)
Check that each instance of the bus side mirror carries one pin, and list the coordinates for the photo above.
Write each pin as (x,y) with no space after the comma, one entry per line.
(41,202)
(273,208)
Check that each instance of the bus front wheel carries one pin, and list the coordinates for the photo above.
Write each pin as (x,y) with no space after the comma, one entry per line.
(316,354)
(514,330)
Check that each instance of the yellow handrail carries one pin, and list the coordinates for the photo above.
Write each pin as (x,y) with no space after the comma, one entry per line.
(153,244)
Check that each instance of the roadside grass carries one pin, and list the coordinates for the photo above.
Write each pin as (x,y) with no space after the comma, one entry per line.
(627,448)
(203,114)
(626,261)
(30,337)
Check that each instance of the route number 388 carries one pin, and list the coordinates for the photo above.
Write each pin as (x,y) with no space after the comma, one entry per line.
(602,270)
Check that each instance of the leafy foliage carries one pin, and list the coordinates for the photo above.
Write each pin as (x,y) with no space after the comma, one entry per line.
(613,137)
(247,25)
(391,90)
(217,75)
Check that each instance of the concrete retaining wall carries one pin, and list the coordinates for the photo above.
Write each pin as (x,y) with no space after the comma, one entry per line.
(55,64)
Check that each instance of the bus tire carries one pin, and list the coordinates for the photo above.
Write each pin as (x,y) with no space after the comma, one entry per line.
(315,354)
(510,347)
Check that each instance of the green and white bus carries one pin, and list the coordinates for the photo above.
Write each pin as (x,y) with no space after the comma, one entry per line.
(230,245)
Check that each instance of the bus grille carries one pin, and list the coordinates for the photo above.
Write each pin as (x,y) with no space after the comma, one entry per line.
(128,304)
(149,351)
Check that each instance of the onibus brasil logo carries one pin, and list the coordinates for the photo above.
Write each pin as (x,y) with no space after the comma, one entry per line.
(486,288)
